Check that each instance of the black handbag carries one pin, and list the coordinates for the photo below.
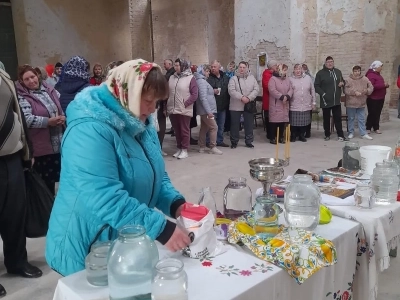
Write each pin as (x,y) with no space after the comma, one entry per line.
(40,202)
(251,105)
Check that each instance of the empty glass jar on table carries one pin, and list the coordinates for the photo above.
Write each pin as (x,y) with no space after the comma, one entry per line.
(364,196)
(302,201)
(170,281)
(237,198)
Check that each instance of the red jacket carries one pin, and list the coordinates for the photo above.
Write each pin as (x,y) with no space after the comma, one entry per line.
(267,74)
(398,82)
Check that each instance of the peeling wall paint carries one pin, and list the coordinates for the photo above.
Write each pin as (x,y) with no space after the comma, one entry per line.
(261,21)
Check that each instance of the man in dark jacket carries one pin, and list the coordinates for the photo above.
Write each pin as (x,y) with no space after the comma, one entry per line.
(15,154)
(219,82)
(162,106)
(328,84)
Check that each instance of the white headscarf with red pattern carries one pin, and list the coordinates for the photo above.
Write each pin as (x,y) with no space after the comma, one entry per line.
(126,81)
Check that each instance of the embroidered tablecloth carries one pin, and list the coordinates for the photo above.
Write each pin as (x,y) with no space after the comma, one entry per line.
(380,232)
(238,274)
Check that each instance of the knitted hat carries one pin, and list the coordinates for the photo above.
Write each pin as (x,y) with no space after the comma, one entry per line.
(272,63)
(126,81)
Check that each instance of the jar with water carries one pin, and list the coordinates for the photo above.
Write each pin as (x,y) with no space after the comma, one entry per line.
(385,182)
(302,202)
(237,198)
(170,281)
(133,256)
(351,156)
(266,213)
(96,264)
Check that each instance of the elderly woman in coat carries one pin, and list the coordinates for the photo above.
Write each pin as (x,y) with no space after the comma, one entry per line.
(206,108)
(243,88)
(302,103)
(280,94)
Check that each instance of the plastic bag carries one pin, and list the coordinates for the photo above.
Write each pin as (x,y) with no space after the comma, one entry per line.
(198,221)
(40,202)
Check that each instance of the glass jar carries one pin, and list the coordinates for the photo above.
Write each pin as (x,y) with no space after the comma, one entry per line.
(395,165)
(96,264)
(237,198)
(266,213)
(302,201)
(364,195)
(385,183)
(351,156)
(133,255)
(170,281)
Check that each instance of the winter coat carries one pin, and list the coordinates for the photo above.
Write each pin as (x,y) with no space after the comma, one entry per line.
(266,76)
(205,104)
(357,84)
(327,86)
(378,82)
(112,175)
(33,107)
(222,82)
(183,92)
(303,93)
(68,88)
(248,87)
(278,88)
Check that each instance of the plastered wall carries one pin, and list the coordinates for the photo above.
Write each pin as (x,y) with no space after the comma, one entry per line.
(48,31)
(296,31)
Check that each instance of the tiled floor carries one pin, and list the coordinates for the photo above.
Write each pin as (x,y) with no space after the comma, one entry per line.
(200,170)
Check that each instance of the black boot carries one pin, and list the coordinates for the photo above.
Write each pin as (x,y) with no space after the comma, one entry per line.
(292,139)
(273,141)
(2,291)
(193,141)
(282,141)
(302,138)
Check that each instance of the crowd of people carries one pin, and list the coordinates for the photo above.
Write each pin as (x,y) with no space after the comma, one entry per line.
(103,123)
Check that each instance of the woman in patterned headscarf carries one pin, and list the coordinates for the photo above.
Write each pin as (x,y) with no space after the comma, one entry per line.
(183,93)
(74,78)
(113,172)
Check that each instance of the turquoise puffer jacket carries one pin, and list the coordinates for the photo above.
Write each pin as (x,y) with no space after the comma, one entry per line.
(113,174)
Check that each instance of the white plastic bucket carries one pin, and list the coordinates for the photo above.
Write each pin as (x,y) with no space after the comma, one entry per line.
(370,155)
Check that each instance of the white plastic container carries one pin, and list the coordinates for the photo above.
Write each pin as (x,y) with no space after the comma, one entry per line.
(370,155)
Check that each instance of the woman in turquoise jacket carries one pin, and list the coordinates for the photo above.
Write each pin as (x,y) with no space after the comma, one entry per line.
(113,172)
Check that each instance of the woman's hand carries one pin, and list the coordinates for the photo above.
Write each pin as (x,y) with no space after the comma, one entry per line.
(179,210)
(178,241)
(245,100)
(358,94)
(341,84)
(54,121)
(61,120)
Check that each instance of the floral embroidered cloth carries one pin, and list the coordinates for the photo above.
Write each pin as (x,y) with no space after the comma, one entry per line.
(379,233)
(301,253)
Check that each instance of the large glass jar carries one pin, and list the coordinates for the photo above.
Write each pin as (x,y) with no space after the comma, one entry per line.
(302,201)
(133,255)
(237,198)
(351,156)
(385,182)
(266,213)
(395,165)
(170,281)
(96,264)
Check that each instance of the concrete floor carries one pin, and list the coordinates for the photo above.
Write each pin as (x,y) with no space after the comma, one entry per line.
(201,170)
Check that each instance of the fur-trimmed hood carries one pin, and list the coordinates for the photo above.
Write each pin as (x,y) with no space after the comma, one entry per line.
(98,103)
